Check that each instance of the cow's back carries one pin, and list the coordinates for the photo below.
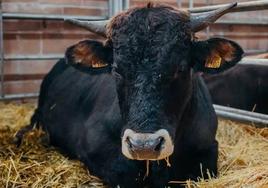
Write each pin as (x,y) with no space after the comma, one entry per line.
(56,70)
(244,87)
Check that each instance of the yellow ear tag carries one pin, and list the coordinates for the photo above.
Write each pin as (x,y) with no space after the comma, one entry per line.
(213,62)
(99,65)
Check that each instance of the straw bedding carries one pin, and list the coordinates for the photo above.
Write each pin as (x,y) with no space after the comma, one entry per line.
(243,157)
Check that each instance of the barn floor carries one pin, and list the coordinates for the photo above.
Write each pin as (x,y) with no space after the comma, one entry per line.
(243,160)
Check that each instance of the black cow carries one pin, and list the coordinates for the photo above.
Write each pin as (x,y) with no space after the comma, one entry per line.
(243,86)
(133,108)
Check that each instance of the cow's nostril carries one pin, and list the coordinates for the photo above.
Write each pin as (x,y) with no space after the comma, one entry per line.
(129,142)
(160,142)
(146,146)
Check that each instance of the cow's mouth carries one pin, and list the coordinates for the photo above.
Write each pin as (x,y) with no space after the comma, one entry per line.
(147,146)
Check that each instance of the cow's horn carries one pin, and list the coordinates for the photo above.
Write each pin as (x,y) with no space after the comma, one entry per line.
(98,27)
(199,21)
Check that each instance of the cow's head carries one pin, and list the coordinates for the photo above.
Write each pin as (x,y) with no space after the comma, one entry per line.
(152,54)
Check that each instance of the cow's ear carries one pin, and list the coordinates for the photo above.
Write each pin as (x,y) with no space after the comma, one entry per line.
(215,55)
(89,54)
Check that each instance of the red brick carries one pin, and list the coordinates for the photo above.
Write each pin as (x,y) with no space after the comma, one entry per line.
(22,7)
(226,1)
(52,10)
(263,44)
(84,11)
(241,42)
(28,67)
(22,44)
(74,29)
(61,2)
(19,87)
(35,8)
(102,4)
(239,28)
(18,1)
(23,77)
(221,28)
(252,44)
(57,43)
(21,25)
(52,26)
(52,43)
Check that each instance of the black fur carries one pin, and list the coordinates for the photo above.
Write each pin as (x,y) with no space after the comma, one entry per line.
(244,87)
(151,86)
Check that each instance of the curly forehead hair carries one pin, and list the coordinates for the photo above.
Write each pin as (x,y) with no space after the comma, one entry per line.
(163,13)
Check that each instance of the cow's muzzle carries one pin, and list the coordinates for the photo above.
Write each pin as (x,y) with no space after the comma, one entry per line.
(147,146)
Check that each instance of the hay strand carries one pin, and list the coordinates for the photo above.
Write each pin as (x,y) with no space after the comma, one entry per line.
(243,157)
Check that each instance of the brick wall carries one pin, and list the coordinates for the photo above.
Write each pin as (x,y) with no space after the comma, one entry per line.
(66,7)
(43,38)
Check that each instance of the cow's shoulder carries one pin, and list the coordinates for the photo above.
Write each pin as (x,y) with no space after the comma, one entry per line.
(200,119)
